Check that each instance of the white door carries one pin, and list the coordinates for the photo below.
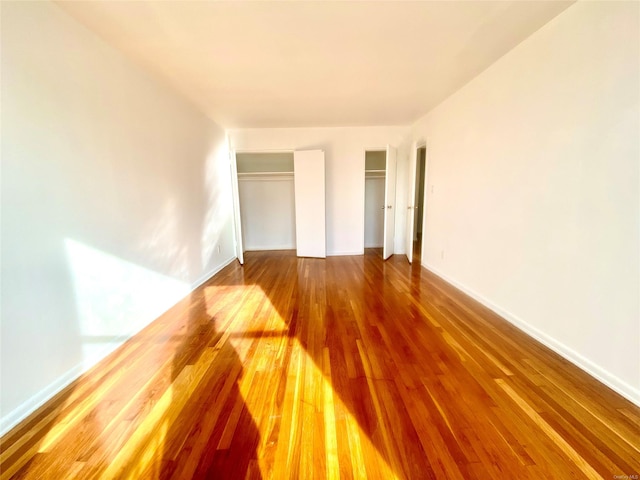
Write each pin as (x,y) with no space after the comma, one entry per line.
(308,168)
(389,202)
(237,222)
(411,208)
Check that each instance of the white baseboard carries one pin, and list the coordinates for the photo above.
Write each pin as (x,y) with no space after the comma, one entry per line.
(204,278)
(629,392)
(25,409)
(20,413)
(344,254)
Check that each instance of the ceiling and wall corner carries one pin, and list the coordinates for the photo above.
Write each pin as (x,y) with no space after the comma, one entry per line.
(315,64)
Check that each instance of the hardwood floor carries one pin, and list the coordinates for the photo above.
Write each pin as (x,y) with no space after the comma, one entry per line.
(348,367)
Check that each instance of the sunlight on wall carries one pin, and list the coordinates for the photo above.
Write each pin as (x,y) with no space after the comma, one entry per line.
(115,298)
(219,200)
(163,243)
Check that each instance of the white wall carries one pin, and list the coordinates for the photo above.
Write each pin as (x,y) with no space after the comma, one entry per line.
(344,156)
(115,202)
(267,210)
(535,208)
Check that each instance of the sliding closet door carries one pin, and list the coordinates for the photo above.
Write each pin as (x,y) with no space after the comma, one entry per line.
(308,166)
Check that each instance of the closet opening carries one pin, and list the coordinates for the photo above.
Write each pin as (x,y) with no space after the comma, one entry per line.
(421,160)
(267,200)
(375,163)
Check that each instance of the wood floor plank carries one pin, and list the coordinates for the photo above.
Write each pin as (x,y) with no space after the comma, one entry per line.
(337,368)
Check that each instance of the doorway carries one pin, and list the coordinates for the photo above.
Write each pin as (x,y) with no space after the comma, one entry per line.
(380,198)
(415,203)
(375,163)
(279,202)
(267,200)
(421,160)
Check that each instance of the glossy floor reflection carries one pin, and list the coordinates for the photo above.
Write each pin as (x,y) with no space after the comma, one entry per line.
(349,367)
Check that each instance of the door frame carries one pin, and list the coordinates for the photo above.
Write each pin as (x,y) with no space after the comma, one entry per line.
(364,189)
(235,194)
(423,144)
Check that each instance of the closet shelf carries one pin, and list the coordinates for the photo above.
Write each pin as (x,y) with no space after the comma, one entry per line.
(265,174)
(374,174)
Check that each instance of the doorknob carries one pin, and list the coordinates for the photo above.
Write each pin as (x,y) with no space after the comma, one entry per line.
(389,206)
(383,207)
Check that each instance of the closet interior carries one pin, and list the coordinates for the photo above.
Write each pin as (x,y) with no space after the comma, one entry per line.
(374,203)
(267,200)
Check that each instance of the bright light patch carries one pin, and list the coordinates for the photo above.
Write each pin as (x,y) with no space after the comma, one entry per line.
(309,388)
(163,242)
(115,298)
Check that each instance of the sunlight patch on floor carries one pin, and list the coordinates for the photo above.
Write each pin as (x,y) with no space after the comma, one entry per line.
(311,406)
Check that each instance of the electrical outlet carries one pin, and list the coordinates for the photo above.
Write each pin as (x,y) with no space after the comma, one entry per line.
(218,248)
(442,254)
(432,188)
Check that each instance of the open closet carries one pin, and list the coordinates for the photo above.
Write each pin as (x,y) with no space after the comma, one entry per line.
(280,202)
(379,199)
(267,200)
(374,206)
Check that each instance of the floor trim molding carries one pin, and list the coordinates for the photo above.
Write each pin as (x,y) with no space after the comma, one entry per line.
(599,373)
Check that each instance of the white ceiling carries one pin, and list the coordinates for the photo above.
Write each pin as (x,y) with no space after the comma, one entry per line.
(288,64)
